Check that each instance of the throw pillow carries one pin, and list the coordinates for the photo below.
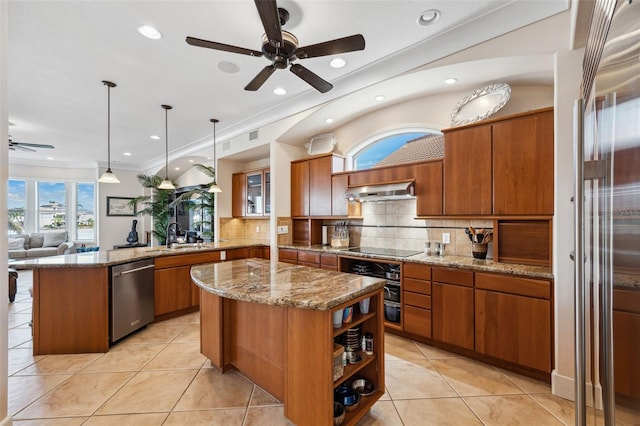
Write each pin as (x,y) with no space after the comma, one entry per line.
(54,238)
(16,243)
(37,239)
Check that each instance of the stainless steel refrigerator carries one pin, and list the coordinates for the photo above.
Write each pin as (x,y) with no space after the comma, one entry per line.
(607,216)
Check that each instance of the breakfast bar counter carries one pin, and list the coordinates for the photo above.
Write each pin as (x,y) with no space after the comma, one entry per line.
(274,323)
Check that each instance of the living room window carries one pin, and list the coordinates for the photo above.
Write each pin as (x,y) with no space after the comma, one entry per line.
(41,206)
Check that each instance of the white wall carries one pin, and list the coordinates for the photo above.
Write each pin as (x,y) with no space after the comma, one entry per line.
(4,166)
(113,230)
(568,74)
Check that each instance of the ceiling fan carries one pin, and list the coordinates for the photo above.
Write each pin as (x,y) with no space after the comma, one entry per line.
(281,48)
(22,146)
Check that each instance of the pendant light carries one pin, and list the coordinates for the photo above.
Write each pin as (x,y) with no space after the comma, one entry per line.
(166,183)
(214,186)
(108,176)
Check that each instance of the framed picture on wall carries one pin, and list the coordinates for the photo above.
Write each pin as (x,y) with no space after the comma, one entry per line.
(119,206)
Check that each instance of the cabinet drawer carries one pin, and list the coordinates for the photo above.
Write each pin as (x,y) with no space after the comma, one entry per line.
(626,300)
(416,270)
(329,261)
(453,276)
(417,300)
(308,257)
(514,285)
(417,321)
(186,259)
(309,264)
(417,286)
(288,256)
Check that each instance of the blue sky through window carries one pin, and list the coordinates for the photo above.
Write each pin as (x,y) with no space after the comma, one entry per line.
(16,194)
(376,151)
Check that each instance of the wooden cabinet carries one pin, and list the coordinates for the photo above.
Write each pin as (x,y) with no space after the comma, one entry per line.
(416,299)
(513,319)
(452,307)
(523,165)
(467,171)
(260,252)
(329,262)
(238,195)
(500,167)
(251,193)
(173,289)
(340,206)
(311,185)
(429,189)
(309,258)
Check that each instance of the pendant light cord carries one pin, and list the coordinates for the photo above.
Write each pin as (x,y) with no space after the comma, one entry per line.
(109,85)
(215,171)
(166,144)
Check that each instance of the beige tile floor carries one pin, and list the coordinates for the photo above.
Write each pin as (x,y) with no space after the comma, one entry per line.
(158,377)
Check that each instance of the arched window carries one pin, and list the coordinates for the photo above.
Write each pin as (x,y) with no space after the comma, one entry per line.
(372,151)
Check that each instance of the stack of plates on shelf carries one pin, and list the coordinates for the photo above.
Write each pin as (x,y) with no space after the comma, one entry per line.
(353,339)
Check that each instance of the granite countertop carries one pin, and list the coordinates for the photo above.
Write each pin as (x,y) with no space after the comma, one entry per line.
(282,284)
(448,261)
(115,257)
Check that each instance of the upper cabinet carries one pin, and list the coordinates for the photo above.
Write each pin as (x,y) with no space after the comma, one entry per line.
(251,193)
(311,185)
(503,167)
(523,165)
(429,188)
(467,171)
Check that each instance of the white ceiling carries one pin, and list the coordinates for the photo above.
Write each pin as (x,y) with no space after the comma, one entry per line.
(60,51)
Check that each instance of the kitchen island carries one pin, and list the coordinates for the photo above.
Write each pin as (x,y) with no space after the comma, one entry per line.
(273,322)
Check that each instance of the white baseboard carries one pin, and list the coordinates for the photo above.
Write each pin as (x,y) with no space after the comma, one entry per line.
(564,387)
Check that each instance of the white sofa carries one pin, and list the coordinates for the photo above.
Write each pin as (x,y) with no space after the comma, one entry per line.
(39,244)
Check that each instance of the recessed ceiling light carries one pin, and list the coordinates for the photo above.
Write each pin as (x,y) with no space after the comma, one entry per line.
(451,80)
(338,63)
(328,120)
(429,17)
(191,161)
(279,91)
(379,98)
(50,158)
(177,168)
(149,32)
(155,137)
(128,154)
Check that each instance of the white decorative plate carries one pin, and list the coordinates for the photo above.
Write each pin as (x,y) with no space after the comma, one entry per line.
(480,104)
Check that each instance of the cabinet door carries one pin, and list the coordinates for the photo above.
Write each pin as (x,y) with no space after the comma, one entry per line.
(429,189)
(626,350)
(172,289)
(320,186)
(255,200)
(238,194)
(417,320)
(523,165)
(452,312)
(300,189)
(467,171)
(514,328)
(267,192)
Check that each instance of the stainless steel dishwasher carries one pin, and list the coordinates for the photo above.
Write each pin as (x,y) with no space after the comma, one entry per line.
(131,297)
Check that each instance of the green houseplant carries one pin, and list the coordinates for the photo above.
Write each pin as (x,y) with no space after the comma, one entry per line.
(155,205)
(201,198)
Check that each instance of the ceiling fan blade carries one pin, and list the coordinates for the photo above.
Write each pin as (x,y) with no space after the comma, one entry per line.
(221,46)
(268,11)
(332,47)
(34,145)
(259,79)
(311,78)
(21,148)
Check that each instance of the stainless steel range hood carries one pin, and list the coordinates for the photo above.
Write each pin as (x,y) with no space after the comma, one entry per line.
(391,191)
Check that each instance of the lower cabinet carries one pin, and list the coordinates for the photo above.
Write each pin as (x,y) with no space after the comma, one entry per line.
(416,299)
(626,343)
(453,313)
(172,290)
(513,320)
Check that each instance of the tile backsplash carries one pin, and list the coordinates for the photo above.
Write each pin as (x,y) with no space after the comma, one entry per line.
(391,224)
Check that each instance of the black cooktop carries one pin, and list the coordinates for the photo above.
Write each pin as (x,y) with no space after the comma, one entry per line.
(383,251)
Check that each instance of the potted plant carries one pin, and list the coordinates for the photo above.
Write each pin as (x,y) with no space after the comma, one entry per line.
(155,205)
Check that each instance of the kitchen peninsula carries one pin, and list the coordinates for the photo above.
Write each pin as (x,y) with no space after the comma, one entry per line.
(274,323)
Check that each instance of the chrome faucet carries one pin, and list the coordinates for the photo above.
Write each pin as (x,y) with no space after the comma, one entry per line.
(177,231)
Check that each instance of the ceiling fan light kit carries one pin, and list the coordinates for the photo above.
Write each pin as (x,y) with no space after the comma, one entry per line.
(166,182)
(281,48)
(214,188)
(108,176)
